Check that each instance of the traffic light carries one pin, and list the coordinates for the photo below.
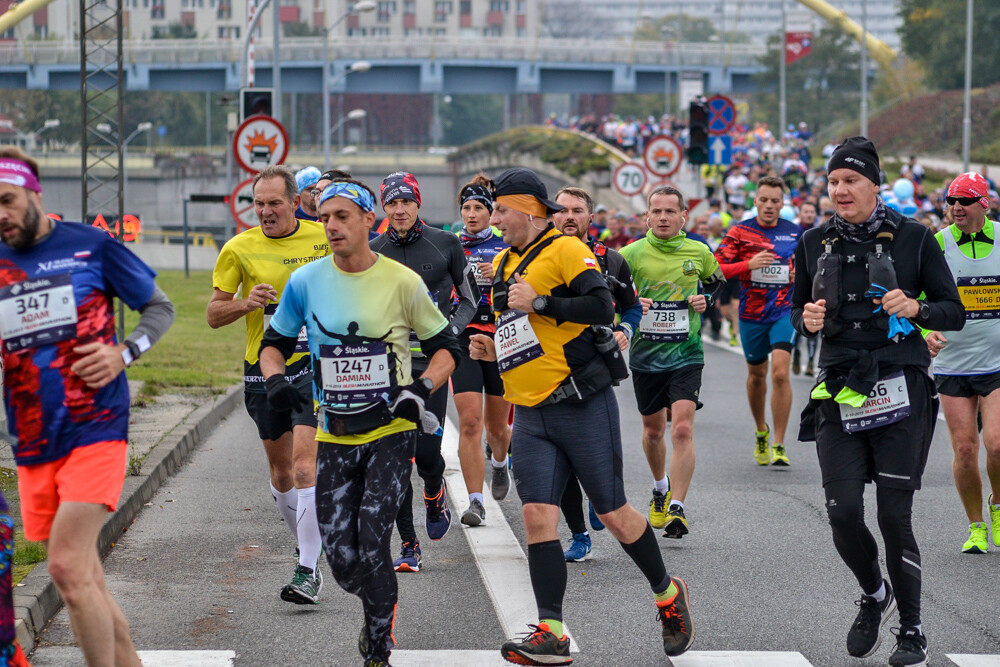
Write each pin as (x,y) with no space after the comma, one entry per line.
(255,102)
(697,152)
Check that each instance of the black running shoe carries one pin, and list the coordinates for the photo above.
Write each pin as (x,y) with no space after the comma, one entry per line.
(538,647)
(675,617)
(865,635)
(911,648)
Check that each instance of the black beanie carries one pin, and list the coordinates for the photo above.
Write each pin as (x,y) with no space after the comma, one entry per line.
(857,154)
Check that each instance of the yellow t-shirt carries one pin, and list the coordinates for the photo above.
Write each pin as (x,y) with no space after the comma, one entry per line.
(251,258)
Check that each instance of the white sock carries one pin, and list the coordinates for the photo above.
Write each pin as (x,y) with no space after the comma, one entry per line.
(879,595)
(307,528)
(287,504)
(499,464)
(677,503)
(476,496)
(662,485)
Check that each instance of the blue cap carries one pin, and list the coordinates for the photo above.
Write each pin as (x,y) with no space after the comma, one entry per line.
(307,177)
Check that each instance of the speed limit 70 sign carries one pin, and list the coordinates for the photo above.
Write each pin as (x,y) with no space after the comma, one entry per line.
(629,179)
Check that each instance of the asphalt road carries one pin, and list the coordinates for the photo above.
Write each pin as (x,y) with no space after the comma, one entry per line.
(201,568)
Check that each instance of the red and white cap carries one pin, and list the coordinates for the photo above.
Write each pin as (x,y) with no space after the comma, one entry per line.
(971,184)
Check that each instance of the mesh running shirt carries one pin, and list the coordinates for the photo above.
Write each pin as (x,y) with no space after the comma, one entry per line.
(54,296)
(765,294)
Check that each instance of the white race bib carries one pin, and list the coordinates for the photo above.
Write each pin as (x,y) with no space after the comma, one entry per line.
(37,312)
(666,322)
(356,373)
(888,403)
(778,273)
(516,341)
(302,343)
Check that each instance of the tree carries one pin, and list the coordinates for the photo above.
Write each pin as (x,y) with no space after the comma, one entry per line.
(302,29)
(175,31)
(933,34)
(821,87)
(470,117)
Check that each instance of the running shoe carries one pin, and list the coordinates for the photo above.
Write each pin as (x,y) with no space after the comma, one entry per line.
(538,647)
(595,521)
(810,369)
(675,617)
(500,484)
(995,520)
(304,587)
(658,509)
(977,542)
(409,558)
(911,648)
(475,515)
(677,525)
(762,450)
(579,548)
(375,662)
(438,519)
(778,455)
(865,635)
(796,362)
(733,341)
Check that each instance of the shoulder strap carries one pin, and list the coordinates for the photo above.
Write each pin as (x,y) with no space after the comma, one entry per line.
(500,285)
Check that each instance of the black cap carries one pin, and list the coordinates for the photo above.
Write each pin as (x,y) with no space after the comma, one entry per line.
(857,154)
(521,181)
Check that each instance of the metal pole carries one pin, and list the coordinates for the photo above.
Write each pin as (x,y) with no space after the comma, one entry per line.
(967,113)
(864,68)
(782,100)
(187,272)
(208,120)
(340,114)
(276,63)
(326,100)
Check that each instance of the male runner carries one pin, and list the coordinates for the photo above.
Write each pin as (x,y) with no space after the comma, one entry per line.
(759,251)
(66,396)
(306,182)
(439,260)
(874,410)
(547,293)
(967,362)
(259,261)
(667,356)
(359,309)
(574,220)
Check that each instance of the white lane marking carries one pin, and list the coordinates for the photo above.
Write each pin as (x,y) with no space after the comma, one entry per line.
(970,660)
(448,658)
(740,659)
(496,551)
(187,658)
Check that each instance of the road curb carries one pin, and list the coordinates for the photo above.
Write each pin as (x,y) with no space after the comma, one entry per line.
(36,601)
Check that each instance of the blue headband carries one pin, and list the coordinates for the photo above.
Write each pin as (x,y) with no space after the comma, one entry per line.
(355,193)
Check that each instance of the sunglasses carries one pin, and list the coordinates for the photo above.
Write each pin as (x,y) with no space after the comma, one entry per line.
(964,201)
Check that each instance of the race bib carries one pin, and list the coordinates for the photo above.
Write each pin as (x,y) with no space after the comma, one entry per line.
(981,297)
(37,312)
(778,273)
(888,403)
(666,322)
(516,341)
(474,261)
(356,373)
(302,343)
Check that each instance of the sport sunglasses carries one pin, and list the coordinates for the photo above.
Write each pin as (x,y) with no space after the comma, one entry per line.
(964,201)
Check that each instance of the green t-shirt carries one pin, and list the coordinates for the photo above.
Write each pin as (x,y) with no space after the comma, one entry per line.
(974,246)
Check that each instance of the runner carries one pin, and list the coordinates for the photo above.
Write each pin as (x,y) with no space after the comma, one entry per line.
(359,309)
(11,654)
(306,181)
(667,358)
(65,391)
(566,416)
(873,412)
(967,362)
(471,378)
(759,251)
(258,262)
(574,220)
(439,260)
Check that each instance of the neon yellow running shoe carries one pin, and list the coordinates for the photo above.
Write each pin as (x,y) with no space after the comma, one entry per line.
(976,544)
(995,520)
(658,509)
(778,455)
(762,451)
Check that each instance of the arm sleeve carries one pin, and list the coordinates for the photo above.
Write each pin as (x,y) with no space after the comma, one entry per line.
(630,319)
(626,301)
(728,256)
(594,307)
(443,340)
(284,344)
(465,288)
(154,319)
(713,278)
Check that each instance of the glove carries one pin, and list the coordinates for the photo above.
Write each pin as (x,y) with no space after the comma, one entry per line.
(282,395)
(410,403)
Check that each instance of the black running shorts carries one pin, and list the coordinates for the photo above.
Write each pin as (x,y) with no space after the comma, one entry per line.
(966,386)
(272,424)
(475,376)
(655,391)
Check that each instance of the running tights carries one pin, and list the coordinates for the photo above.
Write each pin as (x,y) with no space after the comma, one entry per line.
(858,549)
(572,505)
(430,465)
(358,491)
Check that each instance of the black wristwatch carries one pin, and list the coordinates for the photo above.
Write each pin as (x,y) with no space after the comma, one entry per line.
(924,312)
(427,383)
(540,303)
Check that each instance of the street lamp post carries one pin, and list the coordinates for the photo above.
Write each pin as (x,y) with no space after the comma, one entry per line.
(49,124)
(353,114)
(142,127)
(358,66)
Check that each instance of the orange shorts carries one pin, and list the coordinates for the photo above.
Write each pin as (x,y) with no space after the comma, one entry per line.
(89,474)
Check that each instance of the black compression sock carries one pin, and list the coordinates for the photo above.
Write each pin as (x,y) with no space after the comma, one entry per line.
(646,554)
(547,567)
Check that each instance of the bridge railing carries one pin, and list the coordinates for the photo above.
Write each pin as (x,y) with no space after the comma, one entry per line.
(165,51)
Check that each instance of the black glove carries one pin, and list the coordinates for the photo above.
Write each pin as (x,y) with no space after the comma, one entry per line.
(282,395)
(409,402)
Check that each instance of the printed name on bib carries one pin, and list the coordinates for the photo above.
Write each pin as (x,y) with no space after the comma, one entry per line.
(357,373)
(301,343)
(666,322)
(888,403)
(778,273)
(516,341)
(37,312)
(981,296)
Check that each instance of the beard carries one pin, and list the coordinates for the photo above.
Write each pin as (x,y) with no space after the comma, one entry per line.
(29,231)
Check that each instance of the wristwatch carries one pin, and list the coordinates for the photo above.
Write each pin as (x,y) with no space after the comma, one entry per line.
(925,310)
(540,303)
(428,384)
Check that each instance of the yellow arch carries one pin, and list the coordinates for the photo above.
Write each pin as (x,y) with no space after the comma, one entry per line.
(882,52)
